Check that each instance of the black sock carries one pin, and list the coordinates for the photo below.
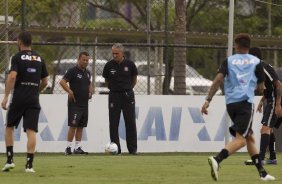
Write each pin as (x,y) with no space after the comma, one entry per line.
(29,160)
(10,154)
(264,142)
(271,147)
(257,161)
(223,154)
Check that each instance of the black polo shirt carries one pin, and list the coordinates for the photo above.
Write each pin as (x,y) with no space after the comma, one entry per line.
(79,81)
(270,78)
(120,75)
(30,68)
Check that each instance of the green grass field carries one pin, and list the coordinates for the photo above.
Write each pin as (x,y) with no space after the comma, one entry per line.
(145,168)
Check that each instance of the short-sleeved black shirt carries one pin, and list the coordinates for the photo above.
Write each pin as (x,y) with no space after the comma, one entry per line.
(120,75)
(30,68)
(270,78)
(259,70)
(79,81)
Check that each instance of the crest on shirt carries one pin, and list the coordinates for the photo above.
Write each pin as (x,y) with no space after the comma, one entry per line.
(79,76)
(113,71)
(126,69)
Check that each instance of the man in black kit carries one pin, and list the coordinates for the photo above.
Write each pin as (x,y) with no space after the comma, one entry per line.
(272,100)
(79,91)
(27,77)
(121,76)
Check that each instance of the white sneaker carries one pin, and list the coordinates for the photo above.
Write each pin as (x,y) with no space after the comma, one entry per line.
(29,170)
(7,167)
(214,168)
(268,178)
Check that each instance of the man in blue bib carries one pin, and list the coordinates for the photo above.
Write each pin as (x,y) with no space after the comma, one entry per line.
(242,74)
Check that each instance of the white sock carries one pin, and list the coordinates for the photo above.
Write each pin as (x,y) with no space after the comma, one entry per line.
(77,144)
(69,144)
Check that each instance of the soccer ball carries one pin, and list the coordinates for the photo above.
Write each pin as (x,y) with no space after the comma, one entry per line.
(112,148)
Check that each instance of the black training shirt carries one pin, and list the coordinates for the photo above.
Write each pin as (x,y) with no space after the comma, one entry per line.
(79,81)
(120,75)
(270,78)
(30,69)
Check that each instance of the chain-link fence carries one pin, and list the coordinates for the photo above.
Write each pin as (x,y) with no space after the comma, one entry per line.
(147,28)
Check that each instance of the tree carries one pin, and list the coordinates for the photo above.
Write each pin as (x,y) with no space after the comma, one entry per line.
(180,52)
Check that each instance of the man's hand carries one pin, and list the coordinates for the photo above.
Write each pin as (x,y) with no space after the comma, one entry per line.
(278,110)
(90,95)
(205,107)
(4,103)
(259,108)
(71,96)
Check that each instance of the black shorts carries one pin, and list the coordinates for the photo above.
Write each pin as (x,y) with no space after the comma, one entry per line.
(278,123)
(29,113)
(269,118)
(77,116)
(241,114)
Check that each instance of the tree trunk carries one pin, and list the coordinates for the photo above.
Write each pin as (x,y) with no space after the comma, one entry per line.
(180,52)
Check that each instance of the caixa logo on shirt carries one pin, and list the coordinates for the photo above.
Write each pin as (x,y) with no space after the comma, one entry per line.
(242,61)
(31,58)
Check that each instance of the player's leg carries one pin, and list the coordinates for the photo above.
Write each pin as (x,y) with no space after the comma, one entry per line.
(14,116)
(78,137)
(9,140)
(114,117)
(272,158)
(264,141)
(128,110)
(237,130)
(31,143)
(237,143)
(72,124)
(30,125)
(272,152)
(268,121)
(70,136)
(252,150)
(82,123)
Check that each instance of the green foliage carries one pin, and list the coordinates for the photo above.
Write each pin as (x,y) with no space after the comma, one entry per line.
(203,21)
(47,12)
(252,25)
(204,60)
(14,9)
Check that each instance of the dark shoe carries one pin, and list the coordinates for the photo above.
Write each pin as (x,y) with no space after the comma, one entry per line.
(68,151)
(79,151)
(133,153)
(271,162)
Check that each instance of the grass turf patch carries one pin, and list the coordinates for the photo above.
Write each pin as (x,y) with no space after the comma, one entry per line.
(163,168)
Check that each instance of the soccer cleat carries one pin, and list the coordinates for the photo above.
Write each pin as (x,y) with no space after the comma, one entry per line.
(68,151)
(271,162)
(268,178)
(79,151)
(29,170)
(133,153)
(214,168)
(8,166)
(249,162)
